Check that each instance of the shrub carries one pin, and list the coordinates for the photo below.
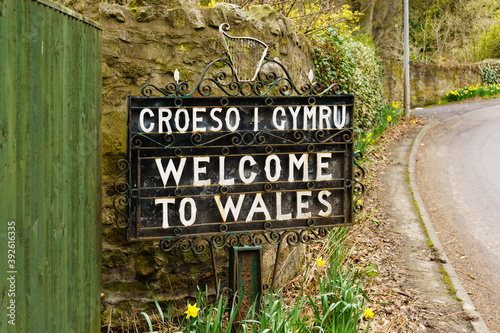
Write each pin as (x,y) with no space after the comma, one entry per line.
(351,62)
(491,72)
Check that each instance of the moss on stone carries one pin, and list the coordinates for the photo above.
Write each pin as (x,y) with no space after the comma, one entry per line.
(134,11)
(177,17)
(112,258)
(447,280)
(145,263)
(116,235)
(122,286)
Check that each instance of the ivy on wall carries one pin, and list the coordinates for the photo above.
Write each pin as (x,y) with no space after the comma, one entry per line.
(352,63)
(490,71)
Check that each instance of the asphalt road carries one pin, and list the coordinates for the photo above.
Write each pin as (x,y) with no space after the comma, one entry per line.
(458,175)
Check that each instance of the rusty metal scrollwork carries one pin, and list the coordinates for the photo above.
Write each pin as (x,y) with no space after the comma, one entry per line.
(358,188)
(122,188)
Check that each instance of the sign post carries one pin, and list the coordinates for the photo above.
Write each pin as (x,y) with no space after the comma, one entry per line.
(237,169)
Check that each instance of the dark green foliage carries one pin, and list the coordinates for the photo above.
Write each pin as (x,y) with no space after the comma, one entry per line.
(491,73)
(351,62)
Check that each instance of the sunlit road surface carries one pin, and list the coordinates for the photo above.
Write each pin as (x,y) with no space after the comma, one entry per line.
(465,150)
(458,175)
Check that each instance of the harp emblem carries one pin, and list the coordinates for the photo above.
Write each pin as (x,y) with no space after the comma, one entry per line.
(245,53)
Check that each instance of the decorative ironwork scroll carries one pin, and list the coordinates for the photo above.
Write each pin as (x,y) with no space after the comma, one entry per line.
(243,162)
(237,165)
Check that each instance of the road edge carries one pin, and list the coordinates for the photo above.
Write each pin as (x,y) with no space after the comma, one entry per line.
(478,323)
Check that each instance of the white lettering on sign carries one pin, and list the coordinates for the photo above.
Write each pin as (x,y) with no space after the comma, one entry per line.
(164,203)
(256,119)
(232,119)
(164,120)
(269,166)
(268,169)
(258,206)
(295,114)
(298,163)
(281,124)
(142,121)
(339,120)
(199,166)
(165,173)
(301,205)
(199,119)
(230,207)
(182,211)
(243,177)
(325,203)
(322,165)
(214,117)
(222,177)
(178,120)
(310,114)
(279,209)
(325,114)
(197,170)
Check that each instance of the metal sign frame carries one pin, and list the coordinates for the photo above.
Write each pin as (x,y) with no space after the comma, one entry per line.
(260,137)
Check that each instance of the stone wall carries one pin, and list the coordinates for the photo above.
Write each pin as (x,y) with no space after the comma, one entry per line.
(145,44)
(429,83)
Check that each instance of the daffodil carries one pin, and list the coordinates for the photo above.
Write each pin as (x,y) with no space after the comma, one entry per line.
(368,313)
(192,311)
(320,262)
(389,118)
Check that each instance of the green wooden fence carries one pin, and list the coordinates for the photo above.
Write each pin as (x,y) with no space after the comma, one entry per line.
(50,168)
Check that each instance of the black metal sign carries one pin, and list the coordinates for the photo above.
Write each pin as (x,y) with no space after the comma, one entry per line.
(204,166)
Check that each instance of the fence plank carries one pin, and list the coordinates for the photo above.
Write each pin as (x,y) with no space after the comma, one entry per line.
(50,153)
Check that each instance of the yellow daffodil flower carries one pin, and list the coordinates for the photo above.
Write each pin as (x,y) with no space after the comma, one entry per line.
(192,311)
(320,262)
(389,118)
(368,313)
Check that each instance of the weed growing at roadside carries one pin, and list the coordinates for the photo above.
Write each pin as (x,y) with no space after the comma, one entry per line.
(389,114)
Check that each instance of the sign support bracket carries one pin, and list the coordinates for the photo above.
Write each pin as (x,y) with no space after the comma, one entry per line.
(214,267)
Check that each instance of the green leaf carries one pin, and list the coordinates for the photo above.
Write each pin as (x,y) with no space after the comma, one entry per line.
(148,320)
